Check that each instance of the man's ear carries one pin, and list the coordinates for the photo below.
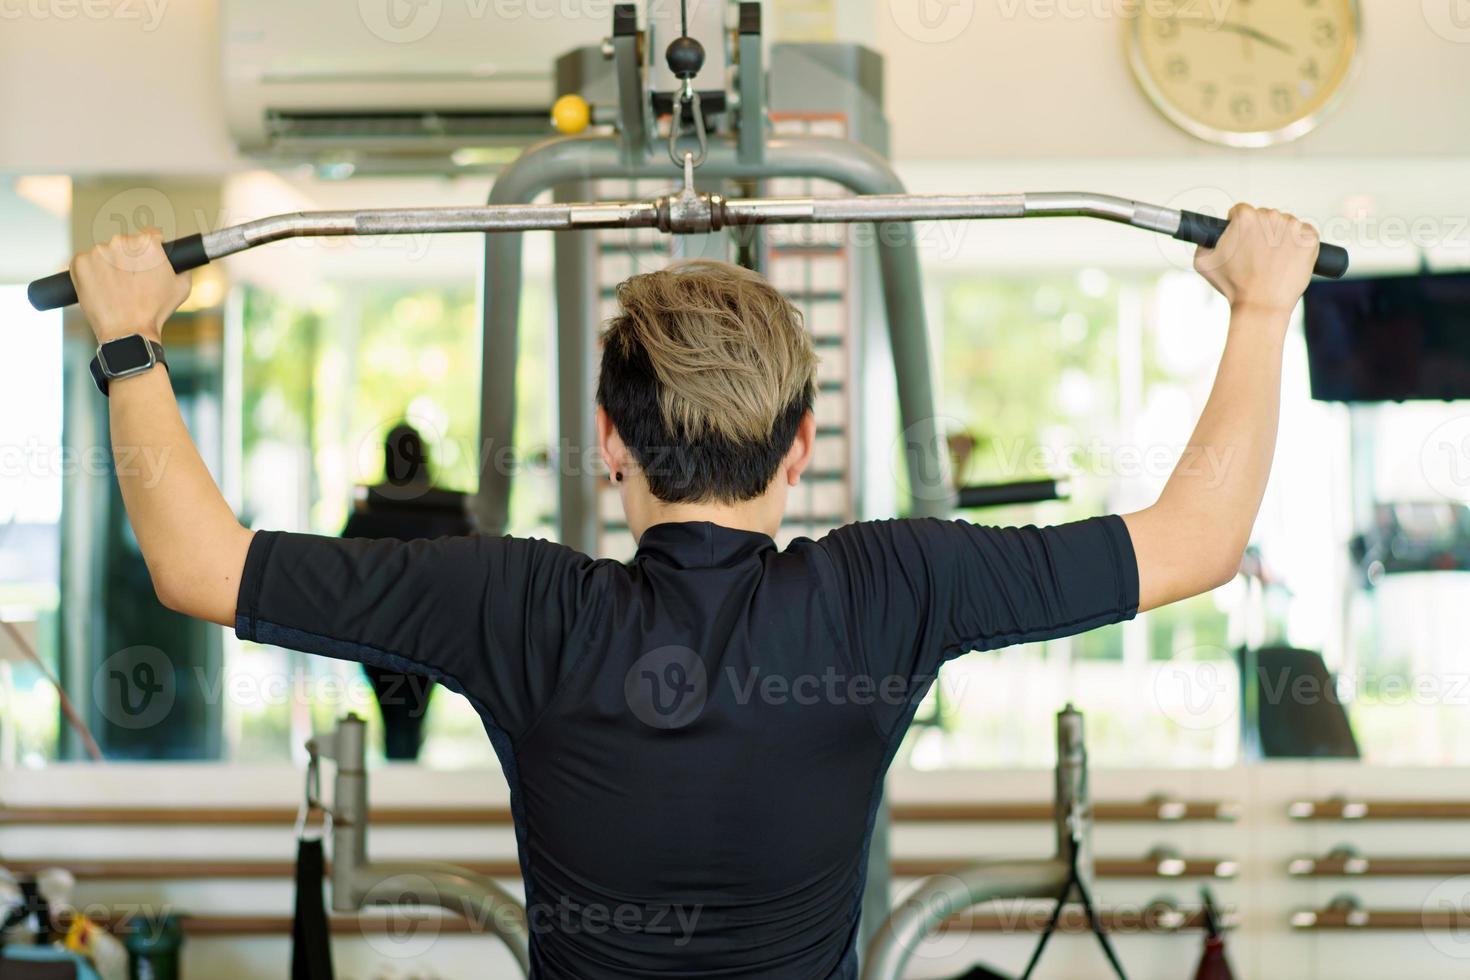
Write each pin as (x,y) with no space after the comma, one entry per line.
(799,457)
(610,444)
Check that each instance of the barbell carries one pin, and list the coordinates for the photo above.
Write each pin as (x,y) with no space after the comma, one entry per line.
(686,212)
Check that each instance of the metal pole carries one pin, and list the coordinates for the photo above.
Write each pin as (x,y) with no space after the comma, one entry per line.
(601,157)
(1073,800)
(718,213)
(576,438)
(938,898)
(359,883)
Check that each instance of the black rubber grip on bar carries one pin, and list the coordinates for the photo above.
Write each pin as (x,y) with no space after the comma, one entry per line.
(1202,229)
(625,20)
(54,292)
(750,18)
(1001,494)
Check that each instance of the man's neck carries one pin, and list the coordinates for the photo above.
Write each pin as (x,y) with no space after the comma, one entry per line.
(754,515)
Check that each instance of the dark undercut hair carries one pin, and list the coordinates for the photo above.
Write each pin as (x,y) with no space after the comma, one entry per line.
(707,371)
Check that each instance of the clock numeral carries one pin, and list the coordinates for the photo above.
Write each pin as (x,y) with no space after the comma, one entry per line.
(1324,31)
(1177,68)
(1281,99)
(1207,94)
(1243,107)
(1167,28)
(1310,69)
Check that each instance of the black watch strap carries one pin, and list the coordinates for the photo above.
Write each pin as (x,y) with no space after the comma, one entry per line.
(102,378)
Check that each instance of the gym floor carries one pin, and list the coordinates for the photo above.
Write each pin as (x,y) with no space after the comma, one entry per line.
(1281,762)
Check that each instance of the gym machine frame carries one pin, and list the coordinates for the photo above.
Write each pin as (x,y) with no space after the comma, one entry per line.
(357,882)
(938,897)
(732,145)
(743,152)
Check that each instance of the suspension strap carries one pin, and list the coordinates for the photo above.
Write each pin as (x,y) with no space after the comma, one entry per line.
(1074,883)
(311,938)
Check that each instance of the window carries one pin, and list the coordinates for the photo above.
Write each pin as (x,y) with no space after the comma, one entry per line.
(1100,377)
(32,466)
(322,383)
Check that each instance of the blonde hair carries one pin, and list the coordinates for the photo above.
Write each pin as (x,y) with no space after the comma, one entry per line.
(730,354)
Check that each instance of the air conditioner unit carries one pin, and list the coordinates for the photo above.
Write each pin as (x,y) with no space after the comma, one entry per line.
(385,86)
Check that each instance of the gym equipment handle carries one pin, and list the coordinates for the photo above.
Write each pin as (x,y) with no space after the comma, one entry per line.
(684,213)
(1202,229)
(1003,494)
(55,291)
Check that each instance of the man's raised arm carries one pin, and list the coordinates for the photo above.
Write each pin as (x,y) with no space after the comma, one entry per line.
(194,546)
(1192,539)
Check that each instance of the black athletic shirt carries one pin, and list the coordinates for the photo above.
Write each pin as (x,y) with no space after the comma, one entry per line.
(695,741)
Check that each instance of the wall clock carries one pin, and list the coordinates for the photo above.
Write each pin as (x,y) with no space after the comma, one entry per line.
(1244,72)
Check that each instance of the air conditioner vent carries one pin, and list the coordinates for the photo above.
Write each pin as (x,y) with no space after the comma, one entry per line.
(450,126)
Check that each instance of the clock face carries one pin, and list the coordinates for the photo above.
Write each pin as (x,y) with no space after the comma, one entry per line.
(1244,72)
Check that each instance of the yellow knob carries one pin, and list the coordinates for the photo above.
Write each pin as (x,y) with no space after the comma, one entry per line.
(570,114)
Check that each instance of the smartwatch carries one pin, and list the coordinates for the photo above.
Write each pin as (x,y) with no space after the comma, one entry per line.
(125,357)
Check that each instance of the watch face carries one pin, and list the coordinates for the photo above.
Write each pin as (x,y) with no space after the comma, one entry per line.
(125,354)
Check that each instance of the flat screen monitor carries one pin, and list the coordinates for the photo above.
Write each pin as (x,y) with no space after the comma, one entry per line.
(1389,338)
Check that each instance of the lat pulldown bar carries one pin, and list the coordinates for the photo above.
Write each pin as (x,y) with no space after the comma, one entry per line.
(686,212)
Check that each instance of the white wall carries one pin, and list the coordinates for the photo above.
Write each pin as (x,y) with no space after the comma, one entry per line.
(111,87)
(132,86)
(1050,79)
(35,241)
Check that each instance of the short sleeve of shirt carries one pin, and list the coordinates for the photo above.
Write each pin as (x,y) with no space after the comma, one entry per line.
(486,616)
(916,593)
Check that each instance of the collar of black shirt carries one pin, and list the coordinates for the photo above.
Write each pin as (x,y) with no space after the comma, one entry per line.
(701,544)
